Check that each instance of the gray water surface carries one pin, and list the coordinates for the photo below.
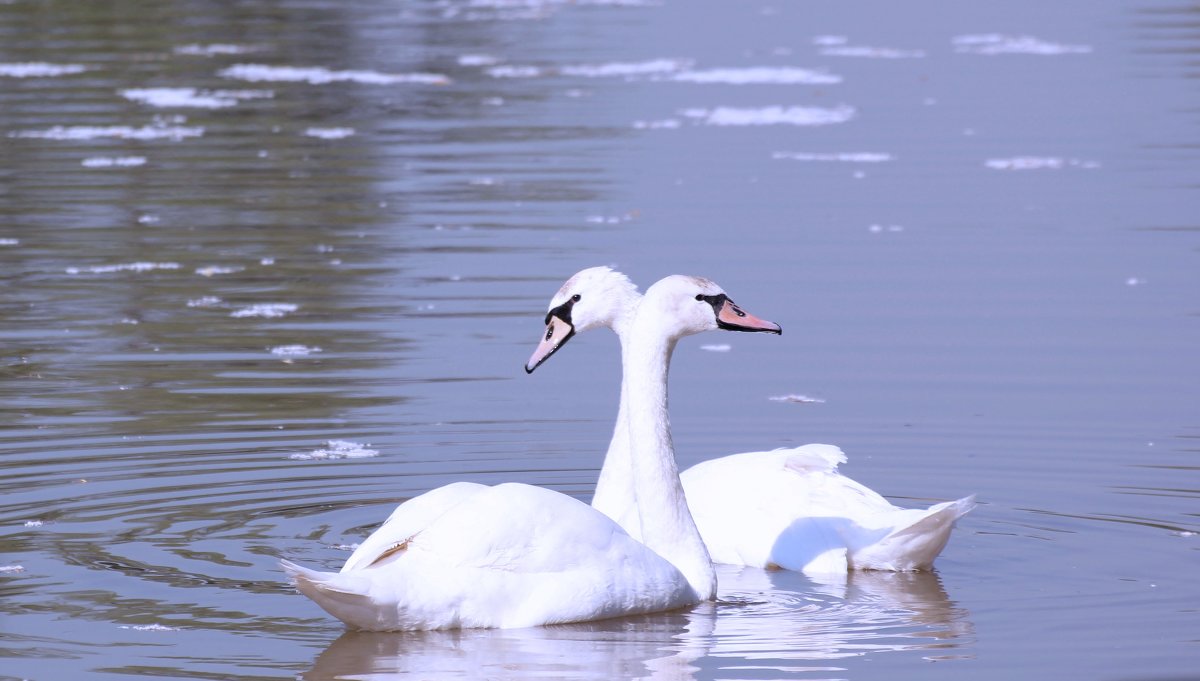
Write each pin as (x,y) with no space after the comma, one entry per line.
(269,269)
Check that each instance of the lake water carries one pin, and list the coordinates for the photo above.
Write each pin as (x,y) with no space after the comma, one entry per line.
(270,268)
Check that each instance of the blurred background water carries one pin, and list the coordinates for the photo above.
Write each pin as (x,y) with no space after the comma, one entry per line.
(270,268)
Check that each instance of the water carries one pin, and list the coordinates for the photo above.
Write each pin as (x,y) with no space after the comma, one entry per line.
(270,268)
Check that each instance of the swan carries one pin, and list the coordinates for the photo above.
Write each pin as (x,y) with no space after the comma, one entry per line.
(513,555)
(787,508)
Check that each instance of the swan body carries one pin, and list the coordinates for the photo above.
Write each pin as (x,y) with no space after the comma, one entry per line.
(787,508)
(515,555)
(792,509)
(508,556)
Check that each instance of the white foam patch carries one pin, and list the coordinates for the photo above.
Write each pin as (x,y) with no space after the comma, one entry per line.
(10,569)
(717,347)
(664,124)
(337,449)
(799,399)
(9,242)
(39,69)
(149,627)
(215,49)
(826,40)
(626,69)
(190,97)
(156,131)
(330,133)
(855,157)
(759,75)
(1039,163)
(113,162)
(265,310)
(204,301)
(125,267)
(34,523)
(294,350)
(211,270)
(771,115)
(608,219)
(992,44)
(319,75)
(477,60)
(510,71)
(866,52)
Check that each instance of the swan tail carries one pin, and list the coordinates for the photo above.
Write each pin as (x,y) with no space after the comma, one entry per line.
(336,593)
(915,545)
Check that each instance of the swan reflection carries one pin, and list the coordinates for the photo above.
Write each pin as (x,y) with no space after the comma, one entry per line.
(783,621)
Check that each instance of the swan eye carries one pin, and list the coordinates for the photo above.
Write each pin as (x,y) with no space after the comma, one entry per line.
(576,297)
(699,296)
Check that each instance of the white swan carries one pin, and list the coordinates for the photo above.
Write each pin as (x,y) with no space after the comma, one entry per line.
(787,508)
(515,555)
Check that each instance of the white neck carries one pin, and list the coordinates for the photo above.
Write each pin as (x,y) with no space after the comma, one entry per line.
(666,523)
(614,494)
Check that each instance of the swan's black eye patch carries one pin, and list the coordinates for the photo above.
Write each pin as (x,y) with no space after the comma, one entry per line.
(576,298)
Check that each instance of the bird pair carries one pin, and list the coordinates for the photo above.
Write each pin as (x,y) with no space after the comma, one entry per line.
(516,555)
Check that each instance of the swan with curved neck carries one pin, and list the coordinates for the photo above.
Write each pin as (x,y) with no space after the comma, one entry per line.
(787,508)
(515,555)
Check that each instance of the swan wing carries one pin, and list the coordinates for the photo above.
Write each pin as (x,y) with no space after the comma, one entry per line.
(407,520)
(507,556)
(792,508)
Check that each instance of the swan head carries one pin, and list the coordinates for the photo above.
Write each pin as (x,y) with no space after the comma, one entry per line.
(594,297)
(691,305)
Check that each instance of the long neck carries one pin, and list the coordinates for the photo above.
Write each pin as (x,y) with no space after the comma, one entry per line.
(614,494)
(666,523)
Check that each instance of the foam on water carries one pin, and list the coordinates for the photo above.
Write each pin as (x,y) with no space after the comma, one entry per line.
(204,301)
(759,75)
(113,162)
(319,75)
(39,69)
(10,569)
(992,44)
(293,350)
(829,40)
(149,627)
(266,310)
(799,399)
(190,97)
(626,69)
(9,242)
(215,49)
(210,270)
(510,71)
(664,124)
(337,449)
(857,157)
(867,52)
(477,60)
(1039,163)
(330,133)
(125,267)
(156,131)
(771,115)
